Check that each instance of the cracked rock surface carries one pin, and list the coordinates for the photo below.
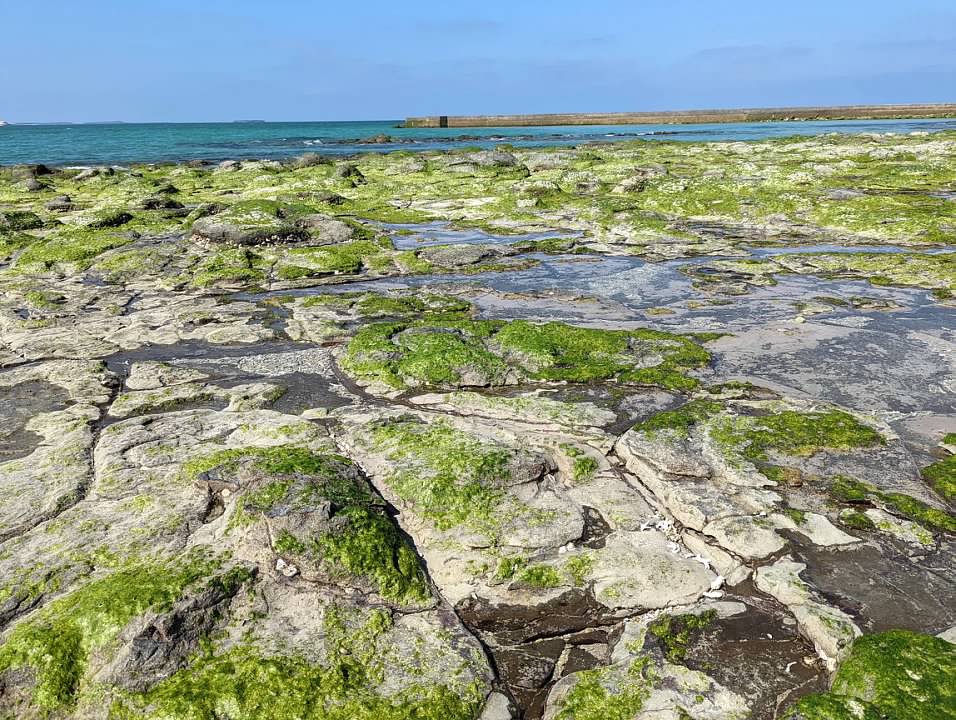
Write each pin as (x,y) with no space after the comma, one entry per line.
(483,436)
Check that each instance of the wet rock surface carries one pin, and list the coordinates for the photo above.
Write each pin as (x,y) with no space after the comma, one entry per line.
(640,431)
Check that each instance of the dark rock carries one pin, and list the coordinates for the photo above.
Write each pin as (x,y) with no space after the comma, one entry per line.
(34,185)
(348,171)
(380,139)
(19,220)
(310,160)
(61,203)
(159,202)
(327,198)
(114,218)
(27,172)
(167,189)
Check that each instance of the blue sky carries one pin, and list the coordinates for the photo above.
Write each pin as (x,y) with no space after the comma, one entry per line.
(204,60)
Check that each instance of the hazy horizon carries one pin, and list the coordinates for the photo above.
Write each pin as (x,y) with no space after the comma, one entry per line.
(231,61)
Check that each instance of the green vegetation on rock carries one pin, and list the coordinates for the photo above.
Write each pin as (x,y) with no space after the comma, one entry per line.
(370,545)
(362,541)
(676,632)
(942,476)
(754,438)
(453,477)
(243,683)
(856,520)
(74,247)
(56,643)
(540,577)
(482,353)
(896,674)
(579,567)
(230,265)
(853,491)
(608,693)
(12,220)
(798,434)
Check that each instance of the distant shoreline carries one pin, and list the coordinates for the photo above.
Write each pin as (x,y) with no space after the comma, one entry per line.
(684,117)
(130,143)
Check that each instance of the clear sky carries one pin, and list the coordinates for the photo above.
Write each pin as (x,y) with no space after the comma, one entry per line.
(202,60)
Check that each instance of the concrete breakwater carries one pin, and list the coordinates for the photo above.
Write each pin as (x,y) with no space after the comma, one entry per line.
(847,112)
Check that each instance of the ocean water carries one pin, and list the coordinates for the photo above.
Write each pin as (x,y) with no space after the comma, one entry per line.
(119,143)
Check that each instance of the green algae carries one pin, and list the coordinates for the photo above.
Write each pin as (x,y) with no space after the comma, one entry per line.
(264,218)
(856,520)
(362,540)
(406,356)
(110,218)
(243,683)
(431,304)
(557,351)
(370,545)
(43,299)
(779,181)
(583,466)
(278,460)
(608,693)
(935,272)
(126,265)
(849,490)
(348,258)
(230,265)
(895,674)
(579,567)
(509,566)
(677,632)
(454,478)
(942,476)
(755,438)
(457,354)
(798,434)
(540,577)
(10,243)
(74,247)
(57,642)
(13,220)
(681,419)
(376,305)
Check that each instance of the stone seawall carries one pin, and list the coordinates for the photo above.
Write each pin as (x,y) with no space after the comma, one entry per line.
(849,112)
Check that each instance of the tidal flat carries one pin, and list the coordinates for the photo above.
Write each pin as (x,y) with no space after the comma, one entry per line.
(622,431)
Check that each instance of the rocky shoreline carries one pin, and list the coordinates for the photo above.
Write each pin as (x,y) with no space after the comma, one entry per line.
(655,431)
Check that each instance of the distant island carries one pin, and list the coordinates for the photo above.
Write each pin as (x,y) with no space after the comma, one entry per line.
(848,112)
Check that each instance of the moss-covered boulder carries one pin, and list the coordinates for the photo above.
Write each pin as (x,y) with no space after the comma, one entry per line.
(493,353)
(895,674)
(11,220)
(250,222)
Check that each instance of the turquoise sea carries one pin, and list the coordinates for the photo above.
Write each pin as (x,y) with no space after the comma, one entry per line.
(119,143)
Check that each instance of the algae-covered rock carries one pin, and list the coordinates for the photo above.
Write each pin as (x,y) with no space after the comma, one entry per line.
(250,222)
(895,674)
(179,612)
(11,220)
(491,353)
